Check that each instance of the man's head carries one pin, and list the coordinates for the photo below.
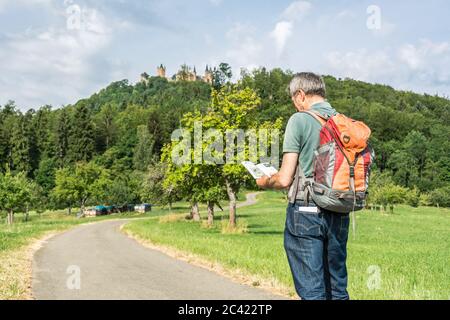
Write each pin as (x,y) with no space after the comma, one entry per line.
(306,89)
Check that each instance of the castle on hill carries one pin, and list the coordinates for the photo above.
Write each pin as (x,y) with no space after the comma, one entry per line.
(185,73)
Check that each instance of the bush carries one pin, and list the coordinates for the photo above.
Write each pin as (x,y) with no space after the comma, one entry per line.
(425,200)
(441,197)
(412,197)
(389,195)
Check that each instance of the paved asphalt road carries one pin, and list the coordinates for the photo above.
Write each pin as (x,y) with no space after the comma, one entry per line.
(113,266)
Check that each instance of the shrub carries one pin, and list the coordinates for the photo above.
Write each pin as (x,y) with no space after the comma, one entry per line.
(389,195)
(412,197)
(425,200)
(441,197)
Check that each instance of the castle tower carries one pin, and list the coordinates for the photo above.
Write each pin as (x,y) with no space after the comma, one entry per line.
(161,71)
(193,75)
(208,77)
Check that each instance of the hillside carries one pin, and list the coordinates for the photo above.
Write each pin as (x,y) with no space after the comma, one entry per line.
(123,128)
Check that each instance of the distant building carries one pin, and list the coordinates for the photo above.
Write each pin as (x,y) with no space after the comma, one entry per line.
(208,77)
(161,71)
(185,73)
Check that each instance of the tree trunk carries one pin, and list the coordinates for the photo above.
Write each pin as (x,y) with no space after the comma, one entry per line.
(210,213)
(10,218)
(233,200)
(69,211)
(195,212)
(82,208)
(27,214)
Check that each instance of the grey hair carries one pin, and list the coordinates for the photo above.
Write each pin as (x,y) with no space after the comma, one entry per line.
(308,82)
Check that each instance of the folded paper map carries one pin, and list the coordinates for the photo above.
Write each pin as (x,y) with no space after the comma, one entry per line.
(259,170)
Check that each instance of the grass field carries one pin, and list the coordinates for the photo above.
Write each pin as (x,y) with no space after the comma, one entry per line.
(409,250)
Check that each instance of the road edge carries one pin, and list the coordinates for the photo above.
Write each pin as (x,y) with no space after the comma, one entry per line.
(272,286)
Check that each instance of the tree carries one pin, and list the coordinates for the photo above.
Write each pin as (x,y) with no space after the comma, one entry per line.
(107,127)
(153,189)
(124,189)
(229,112)
(86,182)
(143,152)
(63,130)
(20,154)
(16,193)
(221,75)
(66,191)
(82,140)
(45,175)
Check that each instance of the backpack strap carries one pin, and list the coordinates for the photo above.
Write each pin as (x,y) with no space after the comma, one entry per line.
(317,116)
(300,177)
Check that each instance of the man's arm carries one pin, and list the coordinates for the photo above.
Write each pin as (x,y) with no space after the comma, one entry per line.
(284,178)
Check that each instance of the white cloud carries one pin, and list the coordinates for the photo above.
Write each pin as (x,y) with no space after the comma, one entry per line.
(54,65)
(281,34)
(283,29)
(245,51)
(296,11)
(361,64)
(424,67)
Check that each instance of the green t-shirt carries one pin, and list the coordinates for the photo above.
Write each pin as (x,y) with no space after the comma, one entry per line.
(303,135)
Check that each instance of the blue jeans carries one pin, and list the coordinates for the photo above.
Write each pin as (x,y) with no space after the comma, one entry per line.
(316,247)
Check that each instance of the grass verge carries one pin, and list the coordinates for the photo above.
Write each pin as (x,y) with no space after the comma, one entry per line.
(405,255)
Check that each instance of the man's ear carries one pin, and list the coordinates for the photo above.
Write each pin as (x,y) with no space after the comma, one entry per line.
(300,99)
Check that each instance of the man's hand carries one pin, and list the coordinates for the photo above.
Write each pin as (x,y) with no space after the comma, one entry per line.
(263,182)
(283,179)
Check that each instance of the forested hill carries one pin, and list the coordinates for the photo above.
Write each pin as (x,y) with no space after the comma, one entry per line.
(123,128)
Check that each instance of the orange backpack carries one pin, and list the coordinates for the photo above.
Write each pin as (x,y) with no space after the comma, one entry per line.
(341,166)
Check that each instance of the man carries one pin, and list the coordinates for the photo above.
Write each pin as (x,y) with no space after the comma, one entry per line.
(315,239)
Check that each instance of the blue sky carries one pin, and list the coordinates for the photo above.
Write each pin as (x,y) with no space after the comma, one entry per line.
(56,52)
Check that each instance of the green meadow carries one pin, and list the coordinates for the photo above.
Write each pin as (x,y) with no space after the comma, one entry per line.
(404,255)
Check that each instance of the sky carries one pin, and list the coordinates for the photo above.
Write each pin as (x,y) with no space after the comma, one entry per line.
(55,52)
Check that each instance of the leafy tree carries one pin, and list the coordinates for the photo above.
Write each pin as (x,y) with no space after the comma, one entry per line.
(123,189)
(16,193)
(66,191)
(85,183)
(107,128)
(230,110)
(153,189)
(143,152)
(221,75)
(45,175)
